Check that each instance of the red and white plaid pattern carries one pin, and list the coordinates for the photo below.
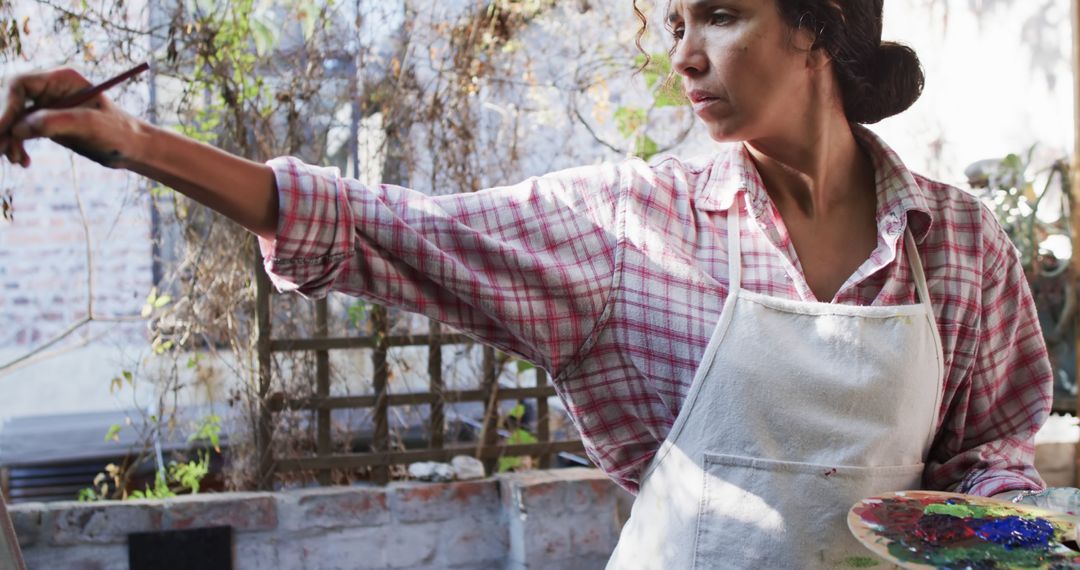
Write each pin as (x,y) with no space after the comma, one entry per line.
(613,277)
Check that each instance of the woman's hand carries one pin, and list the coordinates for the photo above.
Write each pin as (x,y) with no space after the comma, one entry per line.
(98,129)
(240,189)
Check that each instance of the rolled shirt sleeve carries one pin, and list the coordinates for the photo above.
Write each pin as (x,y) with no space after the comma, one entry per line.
(527,268)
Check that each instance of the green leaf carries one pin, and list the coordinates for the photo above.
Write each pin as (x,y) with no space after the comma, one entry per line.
(264,34)
(646,148)
(508,464)
(669,95)
(189,475)
(148,308)
(659,67)
(518,412)
(524,366)
(209,430)
(113,433)
(162,301)
(521,436)
(629,120)
(160,490)
(357,313)
(659,78)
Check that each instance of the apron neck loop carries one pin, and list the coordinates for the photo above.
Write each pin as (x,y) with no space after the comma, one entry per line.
(917,269)
(734,251)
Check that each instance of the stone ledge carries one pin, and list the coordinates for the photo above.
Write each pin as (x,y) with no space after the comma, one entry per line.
(26,519)
(100,522)
(242,511)
(542,519)
(557,492)
(415,502)
(340,507)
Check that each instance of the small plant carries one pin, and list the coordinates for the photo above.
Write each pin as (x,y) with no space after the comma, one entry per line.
(518,435)
(179,477)
(1012,196)
(1009,190)
(357,313)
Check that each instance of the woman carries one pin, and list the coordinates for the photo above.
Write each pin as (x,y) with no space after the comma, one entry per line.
(752,342)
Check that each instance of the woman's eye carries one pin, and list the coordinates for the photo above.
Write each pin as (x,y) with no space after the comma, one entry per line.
(677,33)
(720,18)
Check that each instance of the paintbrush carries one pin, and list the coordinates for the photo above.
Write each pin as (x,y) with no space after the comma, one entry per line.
(84,95)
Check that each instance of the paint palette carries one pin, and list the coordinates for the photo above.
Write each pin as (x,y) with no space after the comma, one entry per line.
(930,529)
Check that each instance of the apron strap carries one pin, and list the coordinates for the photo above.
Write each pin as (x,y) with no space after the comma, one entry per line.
(917,269)
(734,251)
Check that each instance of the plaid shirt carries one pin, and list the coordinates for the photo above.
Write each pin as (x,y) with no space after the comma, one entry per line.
(613,277)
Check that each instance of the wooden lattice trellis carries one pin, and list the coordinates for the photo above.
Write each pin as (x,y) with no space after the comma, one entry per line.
(381,457)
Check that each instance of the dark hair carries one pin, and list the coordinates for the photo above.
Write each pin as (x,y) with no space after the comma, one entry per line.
(877,79)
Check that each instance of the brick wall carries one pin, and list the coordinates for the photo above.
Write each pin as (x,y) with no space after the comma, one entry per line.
(43,259)
(564,519)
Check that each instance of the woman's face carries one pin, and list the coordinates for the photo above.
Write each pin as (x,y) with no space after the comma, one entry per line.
(745,70)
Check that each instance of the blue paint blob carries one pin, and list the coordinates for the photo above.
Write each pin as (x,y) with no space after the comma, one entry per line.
(1016,532)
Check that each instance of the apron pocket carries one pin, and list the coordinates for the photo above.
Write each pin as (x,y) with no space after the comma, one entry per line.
(758,513)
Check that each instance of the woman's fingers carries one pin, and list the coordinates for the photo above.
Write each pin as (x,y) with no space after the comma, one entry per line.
(96,129)
(54,124)
(36,125)
(77,122)
(18,92)
(104,136)
(40,124)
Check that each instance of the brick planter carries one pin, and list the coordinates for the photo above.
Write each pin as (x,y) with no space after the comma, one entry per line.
(561,519)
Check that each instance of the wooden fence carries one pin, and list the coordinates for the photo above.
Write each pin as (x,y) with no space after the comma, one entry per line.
(381,456)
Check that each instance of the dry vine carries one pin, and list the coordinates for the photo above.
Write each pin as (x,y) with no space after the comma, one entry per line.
(276,79)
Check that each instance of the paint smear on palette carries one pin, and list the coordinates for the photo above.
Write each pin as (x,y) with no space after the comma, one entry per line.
(921,529)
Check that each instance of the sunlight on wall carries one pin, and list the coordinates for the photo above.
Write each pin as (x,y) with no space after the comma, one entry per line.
(999,79)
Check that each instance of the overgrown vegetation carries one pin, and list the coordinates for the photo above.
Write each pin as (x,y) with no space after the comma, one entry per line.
(442,98)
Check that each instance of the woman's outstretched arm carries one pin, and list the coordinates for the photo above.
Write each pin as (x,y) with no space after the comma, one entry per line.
(238,188)
(527,268)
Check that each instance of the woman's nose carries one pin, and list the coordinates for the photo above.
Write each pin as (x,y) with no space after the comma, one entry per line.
(688,59)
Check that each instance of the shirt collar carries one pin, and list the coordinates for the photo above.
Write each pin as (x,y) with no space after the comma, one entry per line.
(901,200)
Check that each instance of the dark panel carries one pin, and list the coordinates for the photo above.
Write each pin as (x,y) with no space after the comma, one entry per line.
(203,548)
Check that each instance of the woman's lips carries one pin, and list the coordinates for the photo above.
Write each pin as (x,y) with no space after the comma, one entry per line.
(701,100)
(703,104)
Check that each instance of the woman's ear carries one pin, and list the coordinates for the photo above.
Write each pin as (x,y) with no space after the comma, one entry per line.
(806,42)
(817,58)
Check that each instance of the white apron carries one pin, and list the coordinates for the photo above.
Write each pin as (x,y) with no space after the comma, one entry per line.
(797,411)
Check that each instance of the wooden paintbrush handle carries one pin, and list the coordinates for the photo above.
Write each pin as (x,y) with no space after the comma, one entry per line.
(89,93)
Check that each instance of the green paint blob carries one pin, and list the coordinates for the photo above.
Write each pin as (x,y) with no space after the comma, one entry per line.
(961,511)
(996,512)
(861,562)
(995,554)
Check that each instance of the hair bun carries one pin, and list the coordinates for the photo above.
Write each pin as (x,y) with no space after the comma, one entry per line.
(896,81)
